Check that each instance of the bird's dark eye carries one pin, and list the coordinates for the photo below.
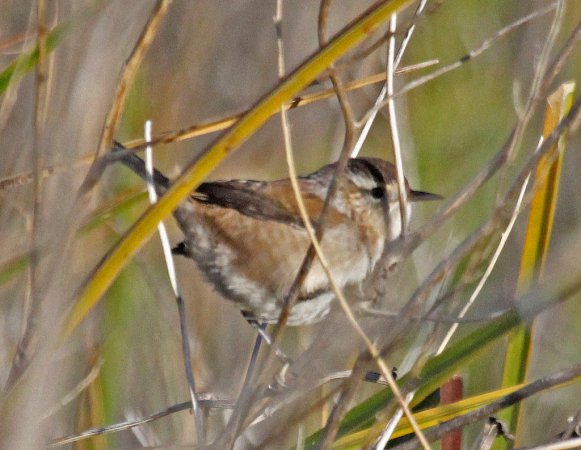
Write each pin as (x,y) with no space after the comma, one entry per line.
(377,192)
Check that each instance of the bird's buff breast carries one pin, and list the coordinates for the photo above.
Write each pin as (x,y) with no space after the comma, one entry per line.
(255,262)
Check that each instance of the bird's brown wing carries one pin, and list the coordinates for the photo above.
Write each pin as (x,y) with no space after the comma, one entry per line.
(249,198)
(264,201)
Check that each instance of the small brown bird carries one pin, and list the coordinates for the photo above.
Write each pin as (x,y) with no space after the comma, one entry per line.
(248,239)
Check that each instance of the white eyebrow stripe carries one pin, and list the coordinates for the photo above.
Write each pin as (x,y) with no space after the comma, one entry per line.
(364,182)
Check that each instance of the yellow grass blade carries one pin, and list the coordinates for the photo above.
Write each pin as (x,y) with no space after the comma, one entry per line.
(435,416)
(535,247)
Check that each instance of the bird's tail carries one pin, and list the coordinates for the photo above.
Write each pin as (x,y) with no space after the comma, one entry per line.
(137,165)
(162,183)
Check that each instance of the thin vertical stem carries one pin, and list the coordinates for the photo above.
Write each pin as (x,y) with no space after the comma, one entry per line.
(186,351)
(32,299)
(394,132)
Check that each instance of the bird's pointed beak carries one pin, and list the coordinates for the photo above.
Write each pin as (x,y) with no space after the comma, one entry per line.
(420,196)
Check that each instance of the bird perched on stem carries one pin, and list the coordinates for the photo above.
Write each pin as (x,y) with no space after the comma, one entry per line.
(248,238)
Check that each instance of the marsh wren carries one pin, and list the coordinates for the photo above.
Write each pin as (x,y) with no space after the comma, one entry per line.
(248,239)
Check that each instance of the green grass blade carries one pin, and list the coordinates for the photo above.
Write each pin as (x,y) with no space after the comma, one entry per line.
(16,70)
(436,371)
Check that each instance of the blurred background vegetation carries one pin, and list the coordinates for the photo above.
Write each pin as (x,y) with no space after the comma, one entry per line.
(208,60)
